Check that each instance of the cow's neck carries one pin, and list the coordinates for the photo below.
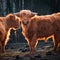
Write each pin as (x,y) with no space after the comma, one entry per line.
(24,29)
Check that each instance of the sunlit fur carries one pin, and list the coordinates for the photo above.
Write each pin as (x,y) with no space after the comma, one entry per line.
(40,28)
(6,24)
(46,27)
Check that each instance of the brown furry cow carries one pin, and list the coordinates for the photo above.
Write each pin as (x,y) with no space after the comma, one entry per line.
(36,27)
(6,24)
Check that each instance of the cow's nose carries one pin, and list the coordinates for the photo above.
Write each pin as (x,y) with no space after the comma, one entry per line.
(25,21)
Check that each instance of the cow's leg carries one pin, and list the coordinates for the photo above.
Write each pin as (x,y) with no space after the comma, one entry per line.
(58,49)
(55,46)
(2,42)
(32,44)
(56,41)
(2,46)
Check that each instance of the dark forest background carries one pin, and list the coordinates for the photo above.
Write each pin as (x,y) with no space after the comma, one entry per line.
(42,7)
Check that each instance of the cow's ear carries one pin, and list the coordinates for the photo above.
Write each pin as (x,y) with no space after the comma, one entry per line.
(17,14)
(33,14)
(12,17)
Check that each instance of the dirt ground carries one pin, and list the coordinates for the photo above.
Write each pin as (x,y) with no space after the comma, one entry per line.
(20,51)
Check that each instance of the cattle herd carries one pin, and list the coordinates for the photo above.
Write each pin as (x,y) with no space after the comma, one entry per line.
(34,28)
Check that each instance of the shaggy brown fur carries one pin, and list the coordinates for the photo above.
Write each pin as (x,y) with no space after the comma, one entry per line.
(6,24)
(23,14)
(40,27)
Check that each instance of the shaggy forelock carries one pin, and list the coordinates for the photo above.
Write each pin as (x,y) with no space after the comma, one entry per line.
(28,12)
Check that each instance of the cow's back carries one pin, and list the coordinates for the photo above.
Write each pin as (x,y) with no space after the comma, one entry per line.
(40,26)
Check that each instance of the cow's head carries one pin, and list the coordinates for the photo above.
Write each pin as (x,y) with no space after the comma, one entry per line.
(13,21)
(25,15)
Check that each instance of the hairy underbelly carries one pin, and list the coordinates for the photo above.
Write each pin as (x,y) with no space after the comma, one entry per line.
(46,38)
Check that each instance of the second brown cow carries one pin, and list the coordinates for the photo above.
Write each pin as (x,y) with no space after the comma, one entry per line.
(35,28)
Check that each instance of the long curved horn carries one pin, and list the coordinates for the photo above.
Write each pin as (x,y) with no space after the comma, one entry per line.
(17,14)
(34,13)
